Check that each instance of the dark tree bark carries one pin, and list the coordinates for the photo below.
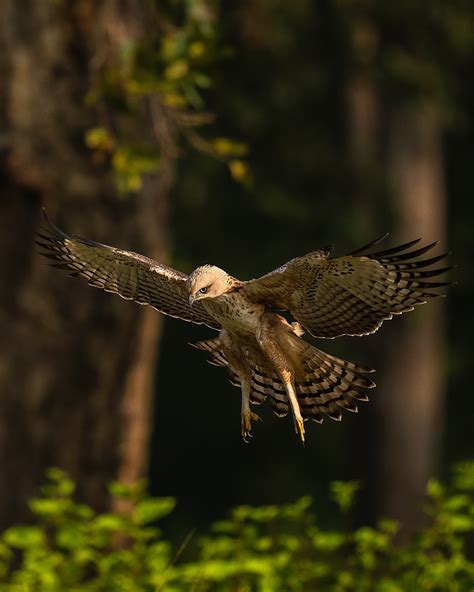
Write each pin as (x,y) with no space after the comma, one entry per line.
(410,397)
(76,364)
(363,119)
(407,407)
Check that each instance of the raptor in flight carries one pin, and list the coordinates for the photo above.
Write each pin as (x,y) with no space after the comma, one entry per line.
(264,352)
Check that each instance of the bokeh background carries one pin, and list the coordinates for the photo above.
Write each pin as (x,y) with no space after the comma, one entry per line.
(240,134)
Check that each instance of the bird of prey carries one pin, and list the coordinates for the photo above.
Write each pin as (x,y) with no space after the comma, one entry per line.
(263,351)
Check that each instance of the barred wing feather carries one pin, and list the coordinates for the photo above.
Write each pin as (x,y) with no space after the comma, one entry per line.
(350,295)
(130,275)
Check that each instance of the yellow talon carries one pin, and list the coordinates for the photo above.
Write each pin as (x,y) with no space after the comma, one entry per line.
(299,428)
(247,419)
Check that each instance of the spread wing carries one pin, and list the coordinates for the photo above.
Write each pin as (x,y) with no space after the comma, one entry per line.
(350,295)
(130,275)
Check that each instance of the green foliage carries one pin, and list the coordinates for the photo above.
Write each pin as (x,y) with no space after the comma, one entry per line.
(343,493)
(269,548)
(156,82)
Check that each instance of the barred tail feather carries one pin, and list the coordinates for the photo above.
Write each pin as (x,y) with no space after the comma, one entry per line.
(329,384)
(213,346)
(325,386)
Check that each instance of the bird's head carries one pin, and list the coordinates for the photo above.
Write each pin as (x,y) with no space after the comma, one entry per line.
(208,281)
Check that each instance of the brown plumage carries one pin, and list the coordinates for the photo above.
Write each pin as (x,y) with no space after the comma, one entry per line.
(264,353)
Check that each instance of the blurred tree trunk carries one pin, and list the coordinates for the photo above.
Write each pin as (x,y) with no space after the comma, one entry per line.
(363,106)
(76,364)
(407,406)
(410,394)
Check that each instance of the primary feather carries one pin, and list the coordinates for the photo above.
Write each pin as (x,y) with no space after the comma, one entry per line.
(350,295)
(130,275)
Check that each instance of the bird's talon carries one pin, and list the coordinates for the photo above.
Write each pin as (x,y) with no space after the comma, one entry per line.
(247,424)
(246,437)
(299,428)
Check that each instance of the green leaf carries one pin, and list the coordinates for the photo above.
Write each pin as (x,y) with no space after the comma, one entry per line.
(202,80)
(459,522)
(108,523)
(50,507)
(24,537)
(152,509)
(61,484)
(240,172)
(98,138)
(390,527)
(434,489)
(457,502)
(227,147)
(177,70)
(328,541)
(136,159)
(197,50)
(83,512)
(344,493)
(463,475)
(71,536)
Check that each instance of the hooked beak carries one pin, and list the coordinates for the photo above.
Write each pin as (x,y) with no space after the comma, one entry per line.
(191,300)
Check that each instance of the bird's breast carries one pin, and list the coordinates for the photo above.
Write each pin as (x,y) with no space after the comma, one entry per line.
(235,312)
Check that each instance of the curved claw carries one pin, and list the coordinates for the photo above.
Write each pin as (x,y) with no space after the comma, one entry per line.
(246,427)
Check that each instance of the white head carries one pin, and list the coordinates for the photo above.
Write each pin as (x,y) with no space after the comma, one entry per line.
(208,281)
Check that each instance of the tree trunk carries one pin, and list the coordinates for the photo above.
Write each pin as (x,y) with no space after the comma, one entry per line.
(363,107)
(410,394)
(407,406)
(76,364)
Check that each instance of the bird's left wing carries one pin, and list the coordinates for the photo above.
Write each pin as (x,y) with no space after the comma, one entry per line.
(349,295)
(130,275)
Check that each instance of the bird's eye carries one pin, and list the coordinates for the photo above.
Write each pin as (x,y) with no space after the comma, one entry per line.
(204,290)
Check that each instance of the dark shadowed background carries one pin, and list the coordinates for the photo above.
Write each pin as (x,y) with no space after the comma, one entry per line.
(335,122)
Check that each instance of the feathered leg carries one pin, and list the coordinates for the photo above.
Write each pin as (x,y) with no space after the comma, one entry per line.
(269,336)
(287,377)
(239,365)
(246,415)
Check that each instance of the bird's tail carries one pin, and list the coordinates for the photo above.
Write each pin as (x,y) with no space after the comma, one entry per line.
(213,346)
(326,385)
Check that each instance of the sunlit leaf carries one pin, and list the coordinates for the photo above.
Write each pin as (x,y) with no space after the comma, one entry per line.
(151,509)
(177,70)
(227,147)
(240,171)
(344,493)
(49,507)
(434,489)
(98,138)
(24,537)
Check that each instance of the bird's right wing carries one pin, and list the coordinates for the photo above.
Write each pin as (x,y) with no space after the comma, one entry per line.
(130,275)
